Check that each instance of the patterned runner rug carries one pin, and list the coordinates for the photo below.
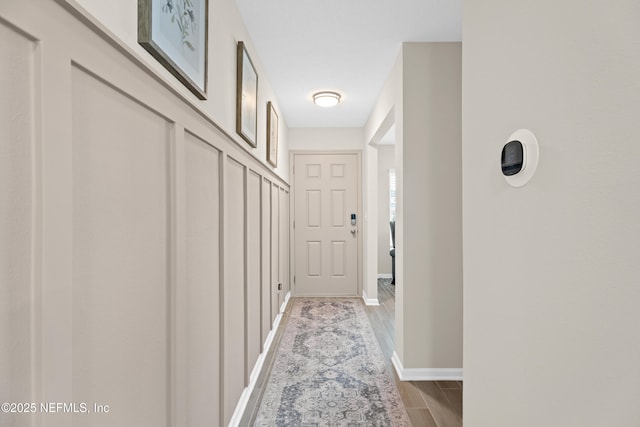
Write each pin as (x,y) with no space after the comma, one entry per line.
(329,371)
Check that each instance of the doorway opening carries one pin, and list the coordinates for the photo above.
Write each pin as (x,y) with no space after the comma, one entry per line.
(382,207)
(386,189)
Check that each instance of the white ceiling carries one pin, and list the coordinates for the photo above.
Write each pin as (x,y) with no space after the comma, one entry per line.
(348,46)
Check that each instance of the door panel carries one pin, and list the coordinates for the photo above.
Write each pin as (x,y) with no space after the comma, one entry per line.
(338,208)
(313,208)
(314,255)
(326,194)
(338,258)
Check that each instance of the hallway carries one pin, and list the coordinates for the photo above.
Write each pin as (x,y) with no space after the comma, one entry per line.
(147,244)
(428,403)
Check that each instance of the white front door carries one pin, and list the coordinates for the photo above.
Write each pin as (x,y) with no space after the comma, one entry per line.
(326,241)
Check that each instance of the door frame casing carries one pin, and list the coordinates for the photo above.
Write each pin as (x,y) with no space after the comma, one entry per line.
(360,224)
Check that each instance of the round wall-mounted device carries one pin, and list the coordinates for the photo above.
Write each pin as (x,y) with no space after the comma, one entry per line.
(519,158)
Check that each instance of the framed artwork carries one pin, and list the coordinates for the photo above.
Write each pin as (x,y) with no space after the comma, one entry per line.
(272,135)
(246,97)
(175,33)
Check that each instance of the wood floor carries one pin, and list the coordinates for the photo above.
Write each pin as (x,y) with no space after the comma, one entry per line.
(428,403)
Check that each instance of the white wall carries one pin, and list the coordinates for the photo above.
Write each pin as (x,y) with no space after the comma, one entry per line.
(325,138)
(432,205)
(385,162)
(422,96)
(226,28)
(551,269)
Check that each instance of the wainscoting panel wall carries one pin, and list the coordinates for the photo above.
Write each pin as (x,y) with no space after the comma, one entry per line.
(121,244)
(275,251)
(17,228)
(254,274)
(140,246)
(266,261)
(283,239)
(199,349)
(234,377)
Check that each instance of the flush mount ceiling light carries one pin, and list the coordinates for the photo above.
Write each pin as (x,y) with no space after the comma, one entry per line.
(326,99)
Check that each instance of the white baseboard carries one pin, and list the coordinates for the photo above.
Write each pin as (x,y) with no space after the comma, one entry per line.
(285,302)
(246,393)
(385,276)
(425,374)
(369,301)
(242,405)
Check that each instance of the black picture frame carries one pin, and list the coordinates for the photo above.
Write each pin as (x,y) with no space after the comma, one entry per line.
(175,33)
(246,97)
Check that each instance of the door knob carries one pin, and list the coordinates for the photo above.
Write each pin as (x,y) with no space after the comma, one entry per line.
(353,231)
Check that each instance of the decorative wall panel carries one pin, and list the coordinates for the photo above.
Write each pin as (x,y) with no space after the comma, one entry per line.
(16,217)
(282,244)
(254,276)
(200,295)
(120,255)
(275,251)
(267,318)
(234,287)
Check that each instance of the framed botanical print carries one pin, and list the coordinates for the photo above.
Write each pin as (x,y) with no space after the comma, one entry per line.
(272,135)
(246,97)
(175,33)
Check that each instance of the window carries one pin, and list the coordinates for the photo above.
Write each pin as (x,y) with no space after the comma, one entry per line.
(392,194)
